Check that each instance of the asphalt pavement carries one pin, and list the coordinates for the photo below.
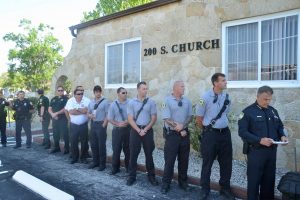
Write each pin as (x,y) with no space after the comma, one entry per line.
(77,180)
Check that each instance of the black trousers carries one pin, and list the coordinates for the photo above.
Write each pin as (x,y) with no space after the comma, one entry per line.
(3,130)
(98,143)
(85,139)
(214,145)
(60,128)
(45,128)
(26,125)
(176,146)
(261,169)
(135,145)
(120,140)
(77,132)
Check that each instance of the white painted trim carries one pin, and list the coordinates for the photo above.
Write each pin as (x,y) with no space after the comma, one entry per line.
(115,86)
(40,187)
(258,83)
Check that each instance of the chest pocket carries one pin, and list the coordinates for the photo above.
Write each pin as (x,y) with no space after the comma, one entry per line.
(259,123)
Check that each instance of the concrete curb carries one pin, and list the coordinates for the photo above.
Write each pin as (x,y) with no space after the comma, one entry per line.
(40,187)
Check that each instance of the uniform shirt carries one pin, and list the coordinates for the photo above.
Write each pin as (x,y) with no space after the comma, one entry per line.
(144,117)
(3,103)
(73,104)
(114,113)
(207,109)
(43,101)
(22,108)
(57,103)
(101,111)
(171,109)
(256,122)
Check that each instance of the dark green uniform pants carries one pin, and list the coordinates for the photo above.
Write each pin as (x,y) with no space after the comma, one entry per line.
(45,128)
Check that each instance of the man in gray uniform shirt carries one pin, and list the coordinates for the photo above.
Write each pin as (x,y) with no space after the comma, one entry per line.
(211,114)
(141,116)
(117,116)
(97,112)
(177,114)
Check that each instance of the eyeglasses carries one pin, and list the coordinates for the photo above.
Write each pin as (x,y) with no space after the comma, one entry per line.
(123,92)
(79,94)
(180,103)
(60,90)
(215,98)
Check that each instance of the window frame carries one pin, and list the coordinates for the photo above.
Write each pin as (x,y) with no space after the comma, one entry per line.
(258,83)
(122,42)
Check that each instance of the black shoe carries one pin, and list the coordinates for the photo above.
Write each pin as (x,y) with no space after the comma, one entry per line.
(203,194)
(28,146)
(130,181)
(101,168)
(4,145)
(152,180)
(227,194)
(73,161)
(17,146)
(66,151)
(184,186)
(114,171)
(55,150)
(165,188)
(93,165)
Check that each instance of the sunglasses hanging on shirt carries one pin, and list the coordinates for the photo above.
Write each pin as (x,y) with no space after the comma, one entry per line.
(215,98)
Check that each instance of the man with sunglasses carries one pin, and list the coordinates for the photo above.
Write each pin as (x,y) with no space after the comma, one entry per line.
(97,112)
(177,114)
(211,115)
(59,120)
(77,108)
(142,115)
(117,116)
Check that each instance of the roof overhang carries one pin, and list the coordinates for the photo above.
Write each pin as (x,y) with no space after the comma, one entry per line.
(74,29)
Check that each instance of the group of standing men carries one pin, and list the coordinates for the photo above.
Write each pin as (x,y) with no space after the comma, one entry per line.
(132,120)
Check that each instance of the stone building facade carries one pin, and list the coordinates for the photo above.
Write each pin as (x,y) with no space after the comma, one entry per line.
(190,40)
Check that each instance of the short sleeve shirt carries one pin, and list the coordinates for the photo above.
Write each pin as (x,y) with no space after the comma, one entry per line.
(57,103)
(177,110)
(43,101)
(73,104)
(102,109)
(207,109)
(145,115)
(115,114)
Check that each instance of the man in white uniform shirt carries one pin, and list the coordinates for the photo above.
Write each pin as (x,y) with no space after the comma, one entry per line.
(78,108)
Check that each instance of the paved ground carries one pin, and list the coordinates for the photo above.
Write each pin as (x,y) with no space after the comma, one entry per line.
(76,179)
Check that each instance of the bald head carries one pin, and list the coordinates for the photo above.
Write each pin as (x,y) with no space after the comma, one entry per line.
(178,88)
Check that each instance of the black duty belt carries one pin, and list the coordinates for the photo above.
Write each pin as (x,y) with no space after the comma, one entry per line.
(141,126)
(259,146)
(219,130)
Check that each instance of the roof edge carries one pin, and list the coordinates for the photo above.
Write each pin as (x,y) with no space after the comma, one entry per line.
(122,13)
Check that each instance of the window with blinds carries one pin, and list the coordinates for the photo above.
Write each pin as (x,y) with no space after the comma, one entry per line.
(263,50)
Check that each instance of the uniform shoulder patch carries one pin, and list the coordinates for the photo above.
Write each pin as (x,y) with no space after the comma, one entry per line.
(241,115)
(201,102)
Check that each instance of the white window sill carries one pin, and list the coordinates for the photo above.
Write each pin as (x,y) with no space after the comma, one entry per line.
(257,84)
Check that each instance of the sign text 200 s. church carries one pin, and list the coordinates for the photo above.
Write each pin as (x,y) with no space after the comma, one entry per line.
(184,47)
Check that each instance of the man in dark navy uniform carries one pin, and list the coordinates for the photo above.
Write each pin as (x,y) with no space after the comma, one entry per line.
(44,115)
(3,115)
(259,127)
(23,111)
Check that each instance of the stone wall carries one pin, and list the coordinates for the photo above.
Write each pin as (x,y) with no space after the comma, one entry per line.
(177,23)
